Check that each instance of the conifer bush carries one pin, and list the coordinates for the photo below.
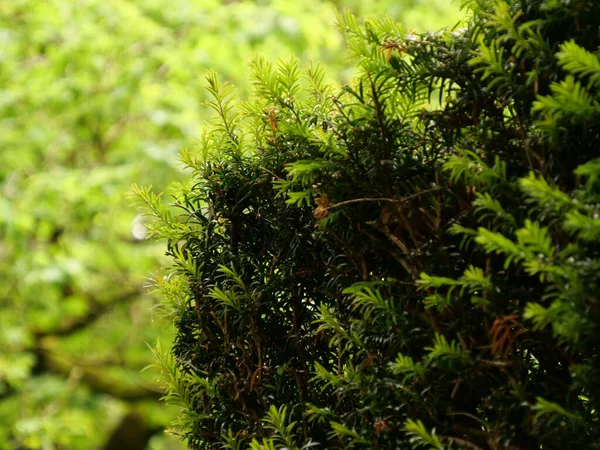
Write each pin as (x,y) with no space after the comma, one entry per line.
(412,261)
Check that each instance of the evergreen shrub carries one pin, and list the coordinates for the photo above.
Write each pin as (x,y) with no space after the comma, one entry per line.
(412,261)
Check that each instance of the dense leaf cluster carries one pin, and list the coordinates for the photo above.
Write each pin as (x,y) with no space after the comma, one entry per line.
(411,261)
(95,94)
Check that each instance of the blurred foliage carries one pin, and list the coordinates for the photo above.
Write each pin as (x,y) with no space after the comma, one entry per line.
(95,95)
(410,261)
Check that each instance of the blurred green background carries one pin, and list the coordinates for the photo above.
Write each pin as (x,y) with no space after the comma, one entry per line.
(96,95)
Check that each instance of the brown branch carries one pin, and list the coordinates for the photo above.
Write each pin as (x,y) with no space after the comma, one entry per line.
(381,199)
(133,433)
(461,442)
(379,112)
(49,360)
(97,310)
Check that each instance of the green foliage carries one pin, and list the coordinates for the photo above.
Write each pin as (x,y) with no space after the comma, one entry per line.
(420,436)
(414,262)
(96,95)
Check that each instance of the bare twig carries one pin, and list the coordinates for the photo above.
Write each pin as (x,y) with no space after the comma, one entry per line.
(97,310)
(461,442)
(381,199)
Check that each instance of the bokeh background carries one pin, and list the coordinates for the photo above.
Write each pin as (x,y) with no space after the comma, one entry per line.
(96,95)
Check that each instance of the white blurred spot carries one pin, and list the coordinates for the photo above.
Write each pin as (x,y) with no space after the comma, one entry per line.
(138,228)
